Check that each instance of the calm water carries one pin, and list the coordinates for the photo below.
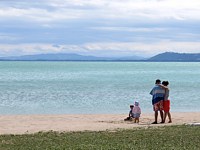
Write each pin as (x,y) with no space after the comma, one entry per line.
(94,87)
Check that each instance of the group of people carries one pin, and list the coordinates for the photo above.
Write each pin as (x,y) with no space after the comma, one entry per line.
(134,113)
(160,102)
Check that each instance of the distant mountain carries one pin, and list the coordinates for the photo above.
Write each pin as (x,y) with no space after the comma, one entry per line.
(51,57)
(171,56)
(130,58)
(167,56)
(67,57)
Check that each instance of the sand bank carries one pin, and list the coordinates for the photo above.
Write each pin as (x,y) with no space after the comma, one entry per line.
(20,124)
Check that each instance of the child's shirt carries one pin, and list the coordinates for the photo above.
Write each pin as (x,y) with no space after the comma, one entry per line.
(131,113)
(136,110)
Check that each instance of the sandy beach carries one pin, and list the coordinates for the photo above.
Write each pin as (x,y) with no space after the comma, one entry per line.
(21,124)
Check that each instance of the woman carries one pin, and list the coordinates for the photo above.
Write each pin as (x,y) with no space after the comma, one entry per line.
(166,102)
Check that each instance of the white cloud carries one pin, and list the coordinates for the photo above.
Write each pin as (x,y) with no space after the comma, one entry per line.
(34,14)
(117,49)
(133,26)
(129,29)
(50,10)
(146,49)
(8,37)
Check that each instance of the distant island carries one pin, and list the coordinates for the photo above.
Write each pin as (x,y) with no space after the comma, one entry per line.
(163,57)
(171,56)
(68,57)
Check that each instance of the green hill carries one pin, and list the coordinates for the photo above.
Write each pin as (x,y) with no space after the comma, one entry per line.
(171,56)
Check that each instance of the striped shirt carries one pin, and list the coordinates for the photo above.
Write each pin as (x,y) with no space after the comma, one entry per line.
(157,93)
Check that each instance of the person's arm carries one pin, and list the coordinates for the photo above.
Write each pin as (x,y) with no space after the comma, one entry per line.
(162,86)
(129,114)
(151,92)
(139,110)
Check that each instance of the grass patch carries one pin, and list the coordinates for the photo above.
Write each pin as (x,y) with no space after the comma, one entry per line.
(159,138)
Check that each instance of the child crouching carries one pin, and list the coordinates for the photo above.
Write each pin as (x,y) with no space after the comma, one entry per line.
(130,115)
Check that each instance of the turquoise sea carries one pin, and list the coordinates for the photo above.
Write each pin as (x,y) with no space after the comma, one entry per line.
(94,87)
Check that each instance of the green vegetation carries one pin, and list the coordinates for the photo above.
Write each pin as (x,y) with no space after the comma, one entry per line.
(151,138)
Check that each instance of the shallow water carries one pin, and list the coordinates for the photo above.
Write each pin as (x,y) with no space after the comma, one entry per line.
(94,87)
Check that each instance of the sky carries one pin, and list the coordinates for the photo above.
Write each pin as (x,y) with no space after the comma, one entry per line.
(99,27)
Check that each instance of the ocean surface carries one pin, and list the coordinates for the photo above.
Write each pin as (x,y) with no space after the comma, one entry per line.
(94,87)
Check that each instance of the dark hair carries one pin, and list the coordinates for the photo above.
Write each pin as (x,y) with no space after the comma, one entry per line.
(165,83)
(158,81)
(131,106)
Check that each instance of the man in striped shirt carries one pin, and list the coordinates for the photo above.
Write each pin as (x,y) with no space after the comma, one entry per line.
(158,94)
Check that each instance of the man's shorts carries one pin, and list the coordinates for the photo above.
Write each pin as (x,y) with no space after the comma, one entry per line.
(158,106)
(166,104)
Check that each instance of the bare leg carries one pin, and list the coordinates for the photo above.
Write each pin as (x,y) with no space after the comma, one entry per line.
(169,115)
(165,115)
(156,116)
(136,120)
(161,115)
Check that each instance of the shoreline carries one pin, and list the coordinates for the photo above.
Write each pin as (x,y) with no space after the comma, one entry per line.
(27,124)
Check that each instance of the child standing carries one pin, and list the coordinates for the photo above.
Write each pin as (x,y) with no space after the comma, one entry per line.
(136,112)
